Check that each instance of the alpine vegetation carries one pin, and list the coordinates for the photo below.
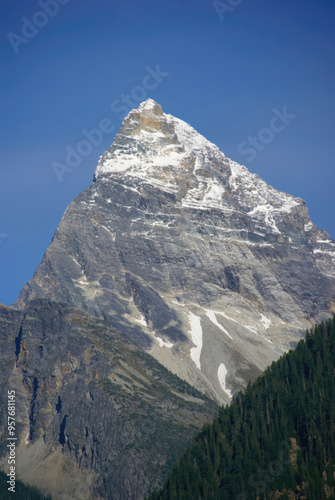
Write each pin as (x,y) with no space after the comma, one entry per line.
(275,440)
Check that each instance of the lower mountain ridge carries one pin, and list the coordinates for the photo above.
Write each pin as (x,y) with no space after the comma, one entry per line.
(95,417)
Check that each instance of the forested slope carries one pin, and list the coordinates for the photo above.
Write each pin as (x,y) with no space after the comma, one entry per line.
(22,491)
(276,440)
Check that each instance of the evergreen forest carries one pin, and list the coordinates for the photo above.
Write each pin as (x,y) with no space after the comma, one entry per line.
(275,440)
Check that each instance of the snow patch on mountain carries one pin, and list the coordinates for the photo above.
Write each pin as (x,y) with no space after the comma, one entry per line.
(164,344)
(211,315)
(252,329)
(309,226)
(148,104)
(228,317)
(141,321)
(222,373)
(268,203)
(192,141)
(328,252)
(205,196)
(196,333)
(266,322)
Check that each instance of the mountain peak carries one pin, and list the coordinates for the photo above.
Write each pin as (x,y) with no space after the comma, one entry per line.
(151,141)
(188,253)
(161,150)
(150,105)
(147,138)
(148,117)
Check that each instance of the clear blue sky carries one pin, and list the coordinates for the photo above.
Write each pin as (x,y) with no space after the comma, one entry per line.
(225,78)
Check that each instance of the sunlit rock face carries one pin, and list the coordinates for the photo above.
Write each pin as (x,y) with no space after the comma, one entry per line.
(189,256)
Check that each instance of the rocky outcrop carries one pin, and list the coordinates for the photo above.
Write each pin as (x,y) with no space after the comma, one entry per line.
(96,417)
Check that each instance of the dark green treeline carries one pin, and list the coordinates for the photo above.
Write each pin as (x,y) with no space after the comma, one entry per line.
(276,439)
(22,491)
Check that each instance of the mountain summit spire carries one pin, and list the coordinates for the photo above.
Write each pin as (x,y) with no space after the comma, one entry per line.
(189,255)
(150,104)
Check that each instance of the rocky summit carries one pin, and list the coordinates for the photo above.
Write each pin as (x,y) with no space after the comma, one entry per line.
(192,257)
(175,257)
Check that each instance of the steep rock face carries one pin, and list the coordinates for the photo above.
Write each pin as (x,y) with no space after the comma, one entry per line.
(189,256)
(96,418)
